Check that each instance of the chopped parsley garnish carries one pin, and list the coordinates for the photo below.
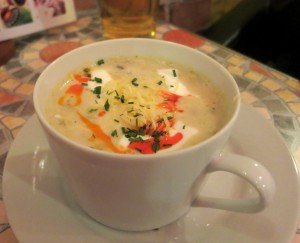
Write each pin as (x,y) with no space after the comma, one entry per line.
(160,120)
(159,82)
(183,127)
(114,133)
(97,90)
(174,73)
(137,114)
(100,62)
(145,86)
(170,117)
(98,80)
(171,86)
(106,105)
(116,120)
(92,110)
(86,70)
(123,130)
(131,102)
(134,82)
(84,84)
(122,99)
(130,111)
(155,146)
(133,134)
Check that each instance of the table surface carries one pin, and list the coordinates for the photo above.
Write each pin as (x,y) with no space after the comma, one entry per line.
(273,94)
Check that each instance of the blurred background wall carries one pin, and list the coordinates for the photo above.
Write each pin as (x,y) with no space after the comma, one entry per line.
(266,30)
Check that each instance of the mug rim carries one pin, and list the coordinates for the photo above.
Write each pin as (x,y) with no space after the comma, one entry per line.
(125,156)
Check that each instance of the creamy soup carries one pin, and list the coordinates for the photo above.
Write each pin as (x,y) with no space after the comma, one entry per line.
(136,105)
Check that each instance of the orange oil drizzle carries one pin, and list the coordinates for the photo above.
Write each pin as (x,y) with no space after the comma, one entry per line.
(97,131)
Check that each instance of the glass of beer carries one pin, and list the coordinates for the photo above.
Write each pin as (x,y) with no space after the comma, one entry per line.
(128,18)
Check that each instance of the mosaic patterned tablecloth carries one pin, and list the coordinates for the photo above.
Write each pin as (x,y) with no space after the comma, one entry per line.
(273,94)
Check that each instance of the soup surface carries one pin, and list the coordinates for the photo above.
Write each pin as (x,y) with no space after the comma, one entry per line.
(136,105)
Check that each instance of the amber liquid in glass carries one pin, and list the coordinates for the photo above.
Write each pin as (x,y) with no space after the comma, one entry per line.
(128,18)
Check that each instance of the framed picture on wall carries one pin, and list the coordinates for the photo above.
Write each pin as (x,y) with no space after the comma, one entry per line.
(22,17)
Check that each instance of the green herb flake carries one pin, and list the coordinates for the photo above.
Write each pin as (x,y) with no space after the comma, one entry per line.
(131,102)
(171,86)
(130,111)
(155,146)
(170,117)
(137,114)
(174,73)
(114,133)
(134,82)
(86,70)
(106,105)
(159,82)
(92,110)
(183,127)
(122,99)
(98,80)
(160,120)
(116,120)
(84,84)
(97,90)
(145,86)
(100,62)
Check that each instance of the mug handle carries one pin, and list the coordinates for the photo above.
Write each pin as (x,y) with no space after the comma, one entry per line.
(250,170)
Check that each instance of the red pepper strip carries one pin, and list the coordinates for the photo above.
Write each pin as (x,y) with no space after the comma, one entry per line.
(145,147)
(170,106)
(170,96)
(80,78)
(167,140)
(170,101)
(75,89)
(160,126)
(101,113)
(97,131)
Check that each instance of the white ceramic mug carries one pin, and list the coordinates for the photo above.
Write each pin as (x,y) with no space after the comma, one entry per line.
(143,192)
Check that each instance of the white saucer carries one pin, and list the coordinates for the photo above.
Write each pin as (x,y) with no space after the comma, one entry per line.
(41,208)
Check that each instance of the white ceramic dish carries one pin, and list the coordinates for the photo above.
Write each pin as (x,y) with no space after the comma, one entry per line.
(41,208)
